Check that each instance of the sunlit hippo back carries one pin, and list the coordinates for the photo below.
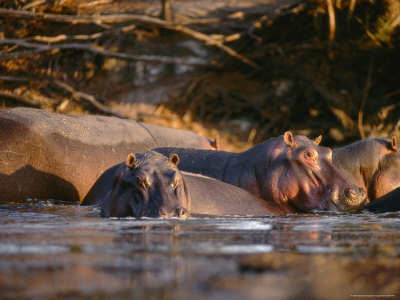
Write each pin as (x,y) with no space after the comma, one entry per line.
(147,185)
(300,174)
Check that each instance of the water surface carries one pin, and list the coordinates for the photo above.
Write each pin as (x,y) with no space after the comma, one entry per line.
(51,250)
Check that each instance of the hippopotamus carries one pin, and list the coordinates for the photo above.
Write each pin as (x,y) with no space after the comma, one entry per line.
(150,185)
(50,155)
(389,202)
(291,171)
(372,163)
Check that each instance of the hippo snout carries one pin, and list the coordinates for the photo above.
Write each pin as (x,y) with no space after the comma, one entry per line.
(353,198)
(350,194)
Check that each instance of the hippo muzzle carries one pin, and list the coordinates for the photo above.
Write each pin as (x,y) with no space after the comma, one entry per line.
(348,200)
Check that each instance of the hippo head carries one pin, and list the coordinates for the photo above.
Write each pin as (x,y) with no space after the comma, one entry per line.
(301,177)
(147,185)
(387,175)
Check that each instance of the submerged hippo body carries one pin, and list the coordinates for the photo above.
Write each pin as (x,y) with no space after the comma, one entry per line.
(389,202)
(49,155)
(151,185)
(372,163)
(290,171)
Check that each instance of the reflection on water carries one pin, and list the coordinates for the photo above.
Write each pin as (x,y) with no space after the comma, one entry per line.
(55,250)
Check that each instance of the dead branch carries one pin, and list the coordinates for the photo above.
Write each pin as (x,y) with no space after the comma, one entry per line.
(13,79)
(81,37)
(332,100)
(212,42)
(109,19)
(96,19)
(19,98)
(364,100)
(78,95)
(39,48)
(167,10)
(332,25)
(38,100)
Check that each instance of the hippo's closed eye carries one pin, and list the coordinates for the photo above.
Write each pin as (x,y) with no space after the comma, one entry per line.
(175,182)
(141,182)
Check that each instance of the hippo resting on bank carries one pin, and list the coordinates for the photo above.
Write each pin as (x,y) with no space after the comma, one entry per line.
(150,185)
(291,171)
(372,163)
(49,155)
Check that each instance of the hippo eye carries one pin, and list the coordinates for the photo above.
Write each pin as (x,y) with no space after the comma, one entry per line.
(175,182)
(141,182)
(309,155)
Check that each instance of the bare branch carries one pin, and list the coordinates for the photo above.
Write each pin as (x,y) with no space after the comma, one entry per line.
(96,19)
(212,42)
(19,98)
(109,19)
(78,95)
(39,48)
(81,37)
(364,99)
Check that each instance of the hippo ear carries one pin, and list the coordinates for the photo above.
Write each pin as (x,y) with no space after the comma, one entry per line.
(215,143)
(174,159)
(318,139)
(288,138)
(394,144)
(131,160)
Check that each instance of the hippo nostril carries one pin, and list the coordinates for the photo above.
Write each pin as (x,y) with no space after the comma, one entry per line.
(180,212)
(162,214)
(349,193)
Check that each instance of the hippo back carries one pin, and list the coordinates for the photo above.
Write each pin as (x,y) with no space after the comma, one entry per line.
(50,155)
(213,197)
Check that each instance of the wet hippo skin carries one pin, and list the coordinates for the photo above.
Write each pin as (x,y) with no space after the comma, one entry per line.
(372,163)
(50,155)
(151,185)
(293,172)
(389,202)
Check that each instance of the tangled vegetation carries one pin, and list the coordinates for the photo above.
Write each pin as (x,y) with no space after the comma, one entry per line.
(249,71)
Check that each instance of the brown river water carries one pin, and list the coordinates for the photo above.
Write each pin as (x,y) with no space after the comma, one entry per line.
(51,250)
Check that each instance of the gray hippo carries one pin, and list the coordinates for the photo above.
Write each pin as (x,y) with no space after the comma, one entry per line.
(50,155)
(292,172)
(150,185)
(372,163)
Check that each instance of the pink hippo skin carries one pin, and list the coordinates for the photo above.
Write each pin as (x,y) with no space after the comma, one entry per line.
(291,171)
(50,155)
(150,185)
(372,163)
